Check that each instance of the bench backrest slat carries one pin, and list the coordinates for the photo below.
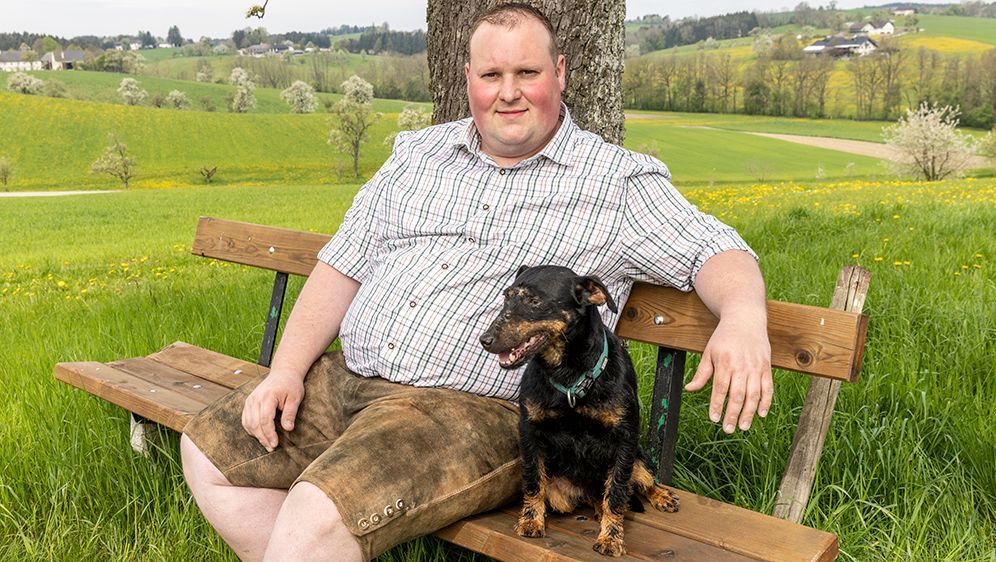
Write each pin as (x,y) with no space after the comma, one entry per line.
(278,249)
(808,339)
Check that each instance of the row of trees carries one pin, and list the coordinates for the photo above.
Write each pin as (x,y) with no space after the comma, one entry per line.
(401,42)
(878,86)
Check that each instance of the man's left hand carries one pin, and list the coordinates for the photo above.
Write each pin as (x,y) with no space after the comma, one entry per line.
(738,359)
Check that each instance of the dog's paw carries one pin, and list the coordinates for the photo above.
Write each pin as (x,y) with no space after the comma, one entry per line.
(609,546)
(663,499)
(532,528)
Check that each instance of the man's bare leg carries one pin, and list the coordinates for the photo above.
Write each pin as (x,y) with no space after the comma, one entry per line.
(309,527)
(244,517)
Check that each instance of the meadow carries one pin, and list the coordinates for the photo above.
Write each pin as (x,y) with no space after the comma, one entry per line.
(52,143)
(907,472)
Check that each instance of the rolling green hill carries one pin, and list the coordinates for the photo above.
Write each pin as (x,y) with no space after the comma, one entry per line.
(102,87)
(52,143)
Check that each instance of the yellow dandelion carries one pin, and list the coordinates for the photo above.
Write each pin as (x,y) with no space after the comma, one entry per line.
(978,255)
(976,266)
(964,267)
(879,258)
(907,263)
(895,216)
(897,263)
(61,283)
(855,256)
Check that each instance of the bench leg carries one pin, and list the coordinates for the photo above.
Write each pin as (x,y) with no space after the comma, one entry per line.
(140,431)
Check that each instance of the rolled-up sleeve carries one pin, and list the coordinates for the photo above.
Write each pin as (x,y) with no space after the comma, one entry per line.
(351,248)
(666,240)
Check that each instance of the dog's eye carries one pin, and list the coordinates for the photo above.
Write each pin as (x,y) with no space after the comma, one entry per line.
(534,301)
(507,314)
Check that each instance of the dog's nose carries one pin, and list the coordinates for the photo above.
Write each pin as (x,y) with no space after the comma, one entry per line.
(487,339)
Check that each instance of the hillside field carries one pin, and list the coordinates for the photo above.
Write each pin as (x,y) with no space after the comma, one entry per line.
(52,143)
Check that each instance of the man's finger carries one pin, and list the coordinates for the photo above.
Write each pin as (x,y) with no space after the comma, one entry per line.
(737,391)
(720,384)
(767,391)
(702,374)
(750,402)
(289,413)
(266,432)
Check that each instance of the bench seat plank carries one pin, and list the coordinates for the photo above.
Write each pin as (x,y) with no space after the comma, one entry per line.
(742,531)
(195,388)
(161,404)
(216,367)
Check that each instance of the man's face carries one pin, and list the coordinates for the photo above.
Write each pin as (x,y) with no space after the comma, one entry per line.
(514,89)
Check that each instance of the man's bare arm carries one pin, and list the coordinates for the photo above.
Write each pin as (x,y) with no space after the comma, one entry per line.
(738,355)
(313,324)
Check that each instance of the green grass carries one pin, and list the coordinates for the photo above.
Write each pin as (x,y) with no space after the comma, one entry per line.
(974,29)
(52,143)
(102,87)
(907,472)
(697,155)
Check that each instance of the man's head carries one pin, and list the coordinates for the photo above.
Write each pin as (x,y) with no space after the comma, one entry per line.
(514,80)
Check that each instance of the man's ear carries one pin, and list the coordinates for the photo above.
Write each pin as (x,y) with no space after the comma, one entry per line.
(590,290)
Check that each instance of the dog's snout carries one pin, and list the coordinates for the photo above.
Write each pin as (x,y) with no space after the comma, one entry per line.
(487,339)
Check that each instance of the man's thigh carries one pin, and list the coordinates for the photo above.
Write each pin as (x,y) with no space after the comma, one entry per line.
(398,461)
(413,460)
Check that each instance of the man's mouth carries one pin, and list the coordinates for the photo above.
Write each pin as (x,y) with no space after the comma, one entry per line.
(509,113)
(518,354)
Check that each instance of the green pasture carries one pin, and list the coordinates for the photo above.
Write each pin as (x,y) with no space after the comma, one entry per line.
(870,131)
(696,155)
(907,473)
(959,27)
(102,87)
(52,143)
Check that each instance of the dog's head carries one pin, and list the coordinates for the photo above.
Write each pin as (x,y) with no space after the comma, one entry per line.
(541,308)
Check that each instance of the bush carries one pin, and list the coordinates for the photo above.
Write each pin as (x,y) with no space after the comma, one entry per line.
(131,92)
(928,144)
(24,84)
(177,100)
(208,104)
(301,97)
(55,89)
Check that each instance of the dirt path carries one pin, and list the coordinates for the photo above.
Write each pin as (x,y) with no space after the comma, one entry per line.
(51,193)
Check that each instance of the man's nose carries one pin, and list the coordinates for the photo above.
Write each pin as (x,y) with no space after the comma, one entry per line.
(509,89)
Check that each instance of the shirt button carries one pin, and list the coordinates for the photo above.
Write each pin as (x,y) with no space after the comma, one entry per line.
(486,207)
(501,172)
(390,345)
(471,240)
(412,304)
(446,266)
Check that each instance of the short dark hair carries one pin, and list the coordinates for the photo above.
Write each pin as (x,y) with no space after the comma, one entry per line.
(509,15)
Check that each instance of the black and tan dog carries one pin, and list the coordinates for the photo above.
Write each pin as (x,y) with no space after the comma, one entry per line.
(578,410)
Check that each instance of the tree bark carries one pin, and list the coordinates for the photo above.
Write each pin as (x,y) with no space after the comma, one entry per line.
(591,39)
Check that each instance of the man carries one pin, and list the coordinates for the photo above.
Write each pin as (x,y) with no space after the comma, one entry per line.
(410,281)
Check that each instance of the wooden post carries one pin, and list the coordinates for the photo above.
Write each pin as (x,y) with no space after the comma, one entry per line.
(817,411)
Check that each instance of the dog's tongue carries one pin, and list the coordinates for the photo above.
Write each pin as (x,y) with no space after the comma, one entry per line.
(503,356)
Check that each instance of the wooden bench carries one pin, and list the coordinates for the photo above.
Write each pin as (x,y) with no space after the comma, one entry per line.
(170,386)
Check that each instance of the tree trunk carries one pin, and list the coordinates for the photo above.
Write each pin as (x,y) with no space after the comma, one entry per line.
(591,39)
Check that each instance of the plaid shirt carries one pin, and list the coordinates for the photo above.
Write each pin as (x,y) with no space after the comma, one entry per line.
(437,234)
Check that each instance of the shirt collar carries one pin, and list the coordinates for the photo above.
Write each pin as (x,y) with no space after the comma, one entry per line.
(557,150)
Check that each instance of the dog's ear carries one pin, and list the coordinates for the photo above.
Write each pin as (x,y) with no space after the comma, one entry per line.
(590,290)
(521,269)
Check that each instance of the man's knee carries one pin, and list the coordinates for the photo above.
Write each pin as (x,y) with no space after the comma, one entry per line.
(197,468)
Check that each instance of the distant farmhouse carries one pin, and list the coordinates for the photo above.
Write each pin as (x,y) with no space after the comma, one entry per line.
(838,46)
(265,49)
(14,61)
(901,13)
(871,27)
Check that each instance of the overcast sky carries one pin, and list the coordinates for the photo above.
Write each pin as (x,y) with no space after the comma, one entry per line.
(218,18)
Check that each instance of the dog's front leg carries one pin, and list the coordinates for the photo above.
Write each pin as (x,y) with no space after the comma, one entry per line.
(615,501)
(532,522)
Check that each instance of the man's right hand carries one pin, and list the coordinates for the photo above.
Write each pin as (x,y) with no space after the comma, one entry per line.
(278,391)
